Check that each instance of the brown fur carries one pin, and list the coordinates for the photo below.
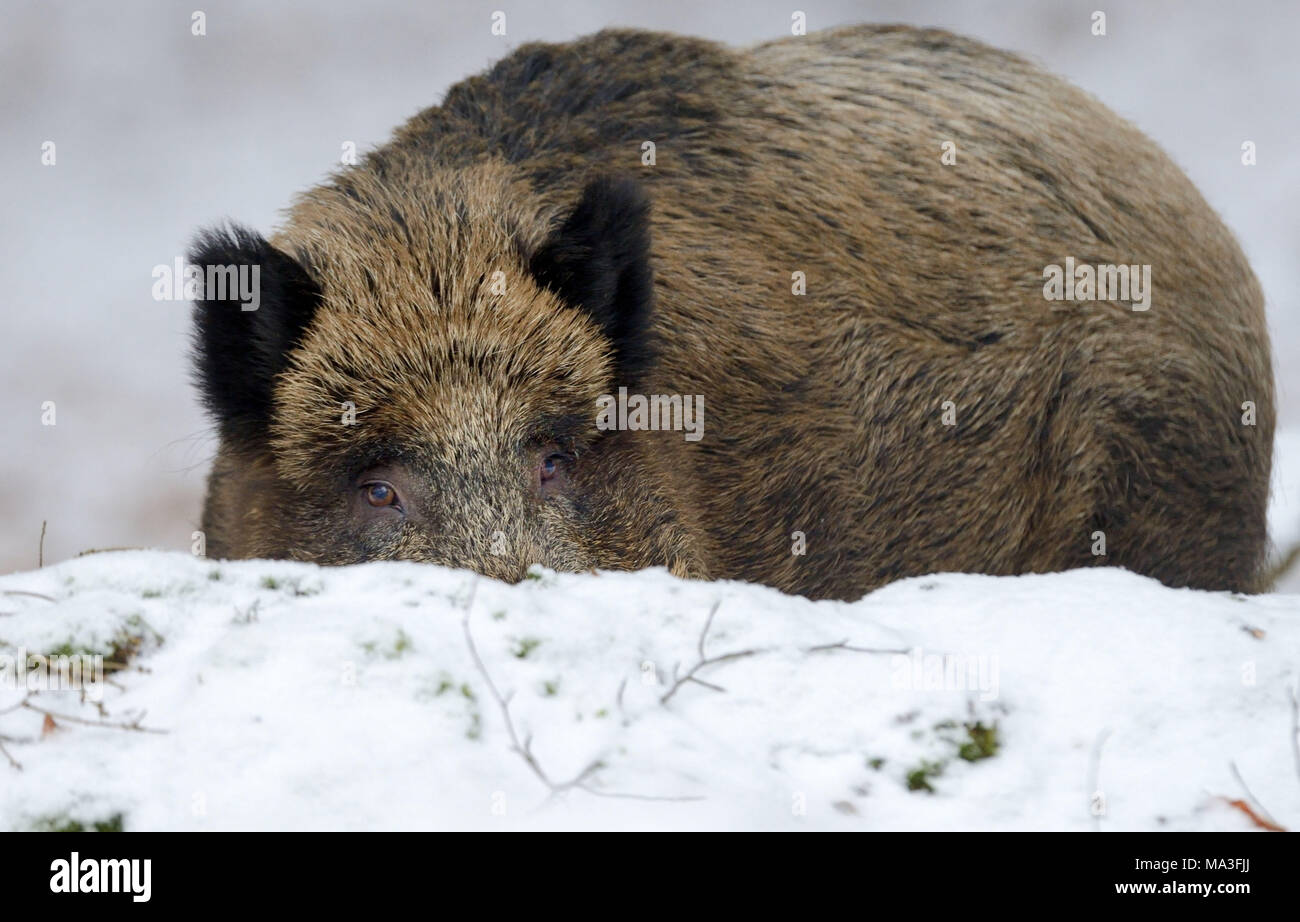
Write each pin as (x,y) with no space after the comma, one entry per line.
(817,154)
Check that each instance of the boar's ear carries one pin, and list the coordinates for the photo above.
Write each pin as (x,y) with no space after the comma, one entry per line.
(598,261)
(238,351)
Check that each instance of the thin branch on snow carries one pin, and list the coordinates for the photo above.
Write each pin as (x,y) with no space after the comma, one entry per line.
(5,752)
(108,550)
(34,595)
(844,645)
(704,661)
(1263,811)
(709,685)
(14,739)
(133,724)
(14,707)
(525,749)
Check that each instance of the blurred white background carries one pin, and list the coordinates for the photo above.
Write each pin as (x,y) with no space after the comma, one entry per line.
(159,132)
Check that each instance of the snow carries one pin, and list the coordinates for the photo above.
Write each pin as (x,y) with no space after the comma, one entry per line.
(294,697)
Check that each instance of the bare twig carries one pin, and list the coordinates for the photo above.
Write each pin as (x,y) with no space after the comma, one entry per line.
(132,723)
(844,645)
(40,548)
(14,707)
(34,595)
(13,739)
(704,661)
(1263,811)
(525,748)
(5,752)
(106,550)
(709,685)
(108,725)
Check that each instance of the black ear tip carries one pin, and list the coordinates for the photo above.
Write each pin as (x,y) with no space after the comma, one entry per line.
(598,261)
(228,244)
(260,303)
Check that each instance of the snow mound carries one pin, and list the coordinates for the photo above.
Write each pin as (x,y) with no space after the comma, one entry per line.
(278,695)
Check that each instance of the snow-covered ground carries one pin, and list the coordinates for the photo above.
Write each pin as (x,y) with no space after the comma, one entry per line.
(274,695)
(288,696)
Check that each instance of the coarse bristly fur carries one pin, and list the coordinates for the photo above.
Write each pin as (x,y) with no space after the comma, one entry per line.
(443,316)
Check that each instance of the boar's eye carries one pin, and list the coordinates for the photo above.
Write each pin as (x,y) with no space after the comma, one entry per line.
(381,494)
(552,470)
